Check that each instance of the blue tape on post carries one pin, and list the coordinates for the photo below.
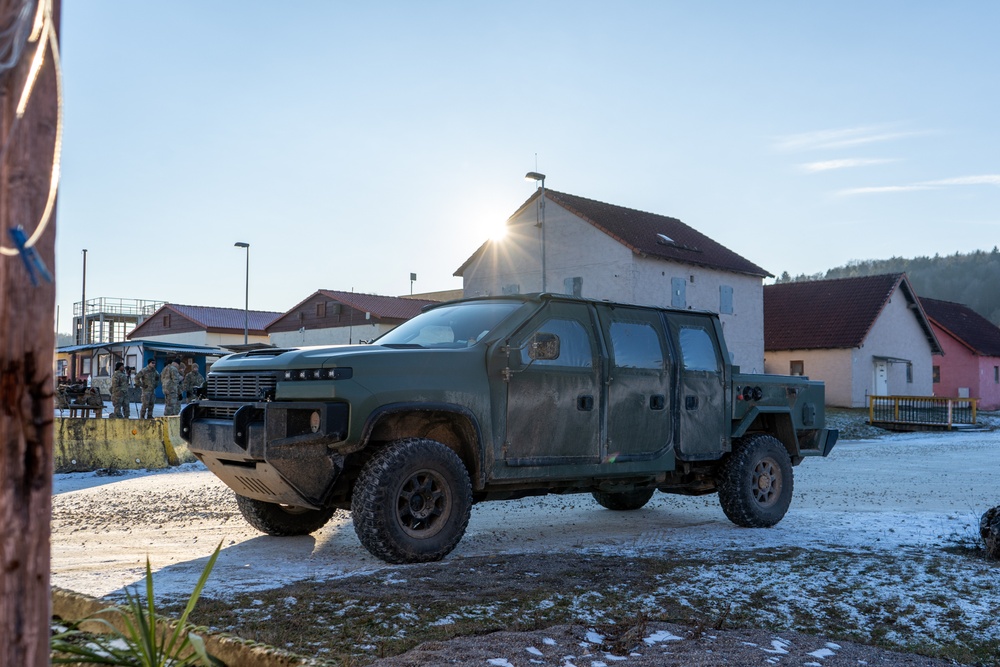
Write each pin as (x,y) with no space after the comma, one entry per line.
(32,262)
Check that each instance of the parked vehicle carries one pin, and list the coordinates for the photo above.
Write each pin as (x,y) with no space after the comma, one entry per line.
(500,398)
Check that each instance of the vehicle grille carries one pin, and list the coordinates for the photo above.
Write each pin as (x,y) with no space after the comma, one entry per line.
(248,387)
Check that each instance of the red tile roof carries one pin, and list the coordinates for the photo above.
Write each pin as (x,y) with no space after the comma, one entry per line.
(966,325)
(211,318)
(831,314)
(640,232)
(392,307)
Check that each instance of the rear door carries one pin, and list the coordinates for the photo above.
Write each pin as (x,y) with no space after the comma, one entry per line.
(640,397)
(702,390)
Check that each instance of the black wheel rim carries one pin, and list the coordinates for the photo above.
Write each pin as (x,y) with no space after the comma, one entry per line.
(423,503)
(766,482)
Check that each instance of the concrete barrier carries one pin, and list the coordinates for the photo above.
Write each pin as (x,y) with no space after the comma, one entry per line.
(82,445)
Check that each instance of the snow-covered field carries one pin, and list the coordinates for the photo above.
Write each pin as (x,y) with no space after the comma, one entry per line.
(887,524)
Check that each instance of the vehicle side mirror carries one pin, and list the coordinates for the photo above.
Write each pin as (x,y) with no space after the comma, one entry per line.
(544,346)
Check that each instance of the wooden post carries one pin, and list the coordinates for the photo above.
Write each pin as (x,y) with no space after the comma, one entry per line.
(27,344)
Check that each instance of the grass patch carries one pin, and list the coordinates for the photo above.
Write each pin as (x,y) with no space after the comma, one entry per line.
(870,598)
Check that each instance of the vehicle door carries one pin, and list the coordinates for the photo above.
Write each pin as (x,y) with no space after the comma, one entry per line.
(640,397)
(553,414)
(702,391)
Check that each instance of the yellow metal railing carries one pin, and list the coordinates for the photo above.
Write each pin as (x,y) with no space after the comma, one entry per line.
(922,410)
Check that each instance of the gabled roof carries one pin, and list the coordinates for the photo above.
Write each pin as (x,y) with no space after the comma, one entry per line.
(833,314)
(965,325)
(647,234)
(214,319)
(380,307)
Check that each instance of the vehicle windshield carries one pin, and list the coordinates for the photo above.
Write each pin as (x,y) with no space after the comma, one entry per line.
(461,325)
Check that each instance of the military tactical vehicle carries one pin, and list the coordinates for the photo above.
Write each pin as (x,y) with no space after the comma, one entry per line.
(499,398)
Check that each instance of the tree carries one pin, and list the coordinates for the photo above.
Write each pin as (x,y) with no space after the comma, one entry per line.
(28,153)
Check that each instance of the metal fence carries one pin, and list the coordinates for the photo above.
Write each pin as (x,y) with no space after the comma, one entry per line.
(921,411)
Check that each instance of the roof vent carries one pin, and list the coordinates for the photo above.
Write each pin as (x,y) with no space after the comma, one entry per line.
(663,239)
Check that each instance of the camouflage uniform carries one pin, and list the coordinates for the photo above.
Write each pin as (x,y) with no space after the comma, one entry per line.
(119,394)
(192,381)
(147,379)
(171,378)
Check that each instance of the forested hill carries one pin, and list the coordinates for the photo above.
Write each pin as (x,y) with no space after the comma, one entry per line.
(972,279)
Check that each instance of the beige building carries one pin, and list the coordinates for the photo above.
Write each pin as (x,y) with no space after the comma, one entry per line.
(862,337)
(562,243)
(205,326)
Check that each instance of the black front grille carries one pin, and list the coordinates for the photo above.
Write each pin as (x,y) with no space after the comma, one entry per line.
(240,386)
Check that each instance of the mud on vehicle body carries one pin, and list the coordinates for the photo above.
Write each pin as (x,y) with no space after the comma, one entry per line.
(500,398)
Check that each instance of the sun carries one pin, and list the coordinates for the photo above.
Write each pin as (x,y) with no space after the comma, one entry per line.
(498,231)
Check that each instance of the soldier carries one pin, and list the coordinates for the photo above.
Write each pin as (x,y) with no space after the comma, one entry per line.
(119,392)
(171,378)
(192,380)
(146,380)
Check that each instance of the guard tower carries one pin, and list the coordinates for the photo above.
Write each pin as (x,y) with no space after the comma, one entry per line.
(107,319)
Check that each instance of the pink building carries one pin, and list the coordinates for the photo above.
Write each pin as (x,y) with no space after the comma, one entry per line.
(970,365)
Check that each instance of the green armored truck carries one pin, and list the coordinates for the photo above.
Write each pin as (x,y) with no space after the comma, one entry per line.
(499,398)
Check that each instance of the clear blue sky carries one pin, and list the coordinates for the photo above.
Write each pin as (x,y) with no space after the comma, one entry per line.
(353,143)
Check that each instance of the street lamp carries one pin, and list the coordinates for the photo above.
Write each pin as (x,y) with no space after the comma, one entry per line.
(540,213)
(246,303)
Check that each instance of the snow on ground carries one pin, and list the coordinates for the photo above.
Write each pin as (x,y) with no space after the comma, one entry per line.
(897,500)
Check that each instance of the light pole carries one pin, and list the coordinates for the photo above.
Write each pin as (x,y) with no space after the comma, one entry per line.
(246,302)
(540,213)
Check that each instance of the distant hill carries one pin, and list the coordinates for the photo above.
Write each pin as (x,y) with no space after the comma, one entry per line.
(972,279)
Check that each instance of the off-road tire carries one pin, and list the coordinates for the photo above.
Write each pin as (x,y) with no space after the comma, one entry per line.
(755,482)
(623,501)
(412,502)
(282,520)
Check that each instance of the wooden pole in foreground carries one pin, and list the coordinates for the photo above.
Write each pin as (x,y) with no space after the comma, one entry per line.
(27,344)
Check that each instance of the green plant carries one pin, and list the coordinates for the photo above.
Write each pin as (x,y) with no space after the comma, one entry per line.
(142,643)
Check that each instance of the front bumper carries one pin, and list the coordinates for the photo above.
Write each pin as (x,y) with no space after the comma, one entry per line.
(278,452)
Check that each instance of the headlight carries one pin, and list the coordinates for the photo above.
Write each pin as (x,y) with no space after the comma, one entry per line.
(319,374)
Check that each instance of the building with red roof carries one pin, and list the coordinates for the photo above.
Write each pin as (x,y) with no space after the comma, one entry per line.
(334,317)
(563,243)
(970,365)
(866,336)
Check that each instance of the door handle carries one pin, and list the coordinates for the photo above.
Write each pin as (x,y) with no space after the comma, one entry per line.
(585,403)
(657,402)
(691,402)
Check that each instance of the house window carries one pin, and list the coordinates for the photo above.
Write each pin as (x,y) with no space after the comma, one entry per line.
(725,300)
(909,373)
(573,286)
(166,321)
(321,309)
(937,374)
(797,367)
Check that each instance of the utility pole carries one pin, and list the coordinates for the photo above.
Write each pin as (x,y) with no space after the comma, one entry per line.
(29,130)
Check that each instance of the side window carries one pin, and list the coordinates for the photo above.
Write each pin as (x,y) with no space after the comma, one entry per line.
(636,345)
(698,350)
(575,347)
(797,367)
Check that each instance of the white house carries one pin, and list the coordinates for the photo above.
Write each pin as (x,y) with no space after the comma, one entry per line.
(562,243)
(861,336)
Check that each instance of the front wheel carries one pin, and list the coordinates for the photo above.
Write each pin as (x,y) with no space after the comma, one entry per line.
(282,520)
(755,482)
(412,502)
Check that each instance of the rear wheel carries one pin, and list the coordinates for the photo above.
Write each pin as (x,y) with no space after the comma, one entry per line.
(412,502)
(282,520)
(755,482)
(623,501)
